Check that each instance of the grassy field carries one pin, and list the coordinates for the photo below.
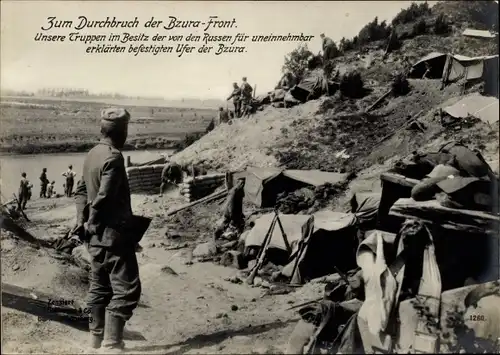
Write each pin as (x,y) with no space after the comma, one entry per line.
(34,125)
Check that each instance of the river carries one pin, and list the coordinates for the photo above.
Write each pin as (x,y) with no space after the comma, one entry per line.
(11,167)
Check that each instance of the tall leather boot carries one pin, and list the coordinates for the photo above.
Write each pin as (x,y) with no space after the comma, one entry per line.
(113,333)
(96,326)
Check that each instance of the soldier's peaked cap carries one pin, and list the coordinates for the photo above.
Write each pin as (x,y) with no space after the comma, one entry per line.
(115,114)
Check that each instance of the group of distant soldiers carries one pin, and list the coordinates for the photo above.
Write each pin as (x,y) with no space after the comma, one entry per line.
(242,96)
(47,188)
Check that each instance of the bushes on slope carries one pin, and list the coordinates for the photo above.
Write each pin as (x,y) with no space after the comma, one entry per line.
(441,25)
(351,85)
(412,13)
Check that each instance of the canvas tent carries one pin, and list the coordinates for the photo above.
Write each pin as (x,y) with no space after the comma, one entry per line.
(313,85)
(483,107)
(333,243)
(436,61)
(263,185)
(454,67)
(292,225)
(332,247)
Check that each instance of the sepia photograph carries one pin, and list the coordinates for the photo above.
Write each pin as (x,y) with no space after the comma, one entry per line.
(249,177)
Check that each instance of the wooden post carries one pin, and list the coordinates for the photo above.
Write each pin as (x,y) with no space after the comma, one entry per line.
(128,162)
(229,180)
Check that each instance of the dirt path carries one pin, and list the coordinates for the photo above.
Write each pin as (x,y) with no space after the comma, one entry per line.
(190,310)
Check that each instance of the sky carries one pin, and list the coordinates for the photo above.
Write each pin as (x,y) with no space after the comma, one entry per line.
(30,65)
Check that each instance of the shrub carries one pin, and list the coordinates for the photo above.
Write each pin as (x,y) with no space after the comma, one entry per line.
(315,61)
(190,138)
(345,45)
(441,25)
(410,14)
(297,61)
(420,28)
(210,126)
(400,85)
(479,14)
(351,85)
(373,31)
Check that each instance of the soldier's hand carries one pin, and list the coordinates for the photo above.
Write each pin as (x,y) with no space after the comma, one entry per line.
(90,229)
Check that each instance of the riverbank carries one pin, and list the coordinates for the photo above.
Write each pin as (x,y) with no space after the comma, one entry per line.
(84,146)
(56,163)
(35,126)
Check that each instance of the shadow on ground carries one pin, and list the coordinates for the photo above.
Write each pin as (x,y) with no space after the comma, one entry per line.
(202,340)
(24,300)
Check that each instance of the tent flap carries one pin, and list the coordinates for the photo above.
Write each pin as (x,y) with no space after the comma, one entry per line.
(430,56)
(292,224)
(315,177)
(262,185)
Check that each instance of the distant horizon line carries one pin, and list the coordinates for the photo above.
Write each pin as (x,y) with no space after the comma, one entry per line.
(108,94)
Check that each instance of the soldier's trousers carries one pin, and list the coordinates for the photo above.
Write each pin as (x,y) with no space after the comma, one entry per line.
(237,108)
(115,285)
(69,187)
(239,223)
(43,190)
(22,200)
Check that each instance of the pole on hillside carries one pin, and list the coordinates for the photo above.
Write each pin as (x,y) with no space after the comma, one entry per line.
(229,180)
(388,44)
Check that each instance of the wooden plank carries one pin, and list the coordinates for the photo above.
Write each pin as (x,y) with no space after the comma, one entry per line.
(209,198)
(379,100)
(399,179)
(433,212)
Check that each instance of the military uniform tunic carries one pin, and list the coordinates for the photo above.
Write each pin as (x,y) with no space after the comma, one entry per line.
(114,277)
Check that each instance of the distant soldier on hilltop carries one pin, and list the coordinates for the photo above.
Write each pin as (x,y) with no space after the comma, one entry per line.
(246,96)
(329,48)
(236,96)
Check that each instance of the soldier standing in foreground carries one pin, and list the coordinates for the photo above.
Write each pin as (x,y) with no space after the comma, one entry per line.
(115,287)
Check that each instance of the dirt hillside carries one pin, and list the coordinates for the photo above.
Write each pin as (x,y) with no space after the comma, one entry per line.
(307,136)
